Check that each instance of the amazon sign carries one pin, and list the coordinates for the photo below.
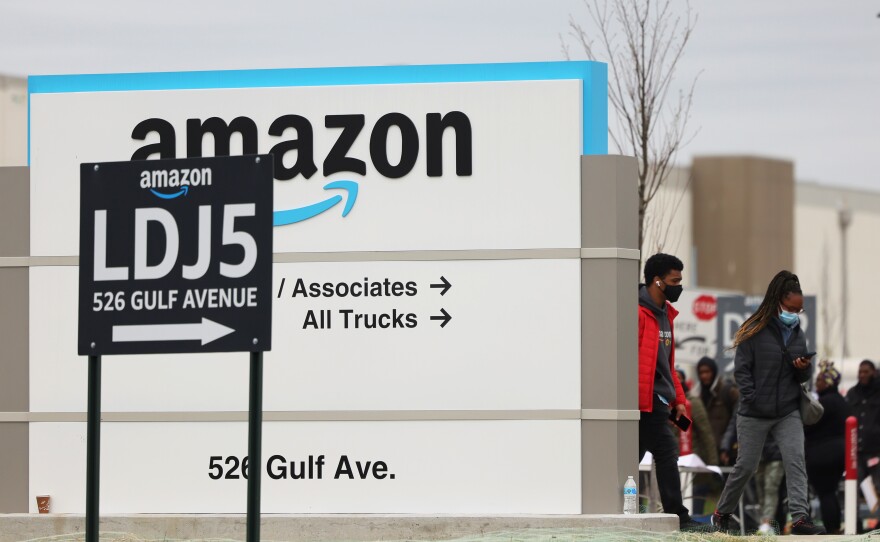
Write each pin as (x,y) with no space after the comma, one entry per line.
(426,247)
(366,159)
(301,146)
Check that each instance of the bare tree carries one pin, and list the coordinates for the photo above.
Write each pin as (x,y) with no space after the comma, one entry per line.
(642,41)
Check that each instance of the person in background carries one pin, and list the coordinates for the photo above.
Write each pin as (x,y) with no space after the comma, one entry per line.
(660,392)
(864,404)
(720,396)
(825,446)
(701,429)
(770,365)
(703,443)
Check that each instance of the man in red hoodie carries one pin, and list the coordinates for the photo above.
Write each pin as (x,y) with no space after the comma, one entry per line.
(660,392)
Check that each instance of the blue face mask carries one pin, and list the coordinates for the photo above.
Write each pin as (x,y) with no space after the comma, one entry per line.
(789,318)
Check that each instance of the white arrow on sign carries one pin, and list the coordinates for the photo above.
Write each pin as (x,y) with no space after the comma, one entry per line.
(206,331)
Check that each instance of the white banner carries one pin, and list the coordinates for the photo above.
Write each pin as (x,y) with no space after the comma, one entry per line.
(475,467)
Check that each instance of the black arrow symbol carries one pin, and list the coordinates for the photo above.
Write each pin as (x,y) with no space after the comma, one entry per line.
(446,318)
(445,284)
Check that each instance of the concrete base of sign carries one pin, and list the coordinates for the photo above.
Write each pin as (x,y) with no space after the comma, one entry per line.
(325,528)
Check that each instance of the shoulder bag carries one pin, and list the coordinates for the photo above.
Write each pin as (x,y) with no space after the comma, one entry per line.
(811,409)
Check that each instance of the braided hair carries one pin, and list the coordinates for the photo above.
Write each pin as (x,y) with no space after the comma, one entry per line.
(784,283)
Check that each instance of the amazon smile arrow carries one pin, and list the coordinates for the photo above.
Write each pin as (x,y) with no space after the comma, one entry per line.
(206,331)
(292,216)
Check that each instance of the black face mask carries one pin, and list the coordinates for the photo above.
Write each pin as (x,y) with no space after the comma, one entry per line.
(673,292)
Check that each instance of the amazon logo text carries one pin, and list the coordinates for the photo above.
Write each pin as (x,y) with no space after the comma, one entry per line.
(178,181)
(295,134)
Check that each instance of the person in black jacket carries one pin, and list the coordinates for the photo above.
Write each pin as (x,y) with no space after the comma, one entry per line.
(770,364)
(719,395)
(825,445)
(864,403)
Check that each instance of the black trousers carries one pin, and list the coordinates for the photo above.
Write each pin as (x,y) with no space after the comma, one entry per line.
(825,463)
(655,437)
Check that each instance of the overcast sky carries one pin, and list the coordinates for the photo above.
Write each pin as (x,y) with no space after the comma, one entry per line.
(793,79)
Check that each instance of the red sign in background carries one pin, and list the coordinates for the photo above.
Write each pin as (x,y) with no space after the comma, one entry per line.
(705,307)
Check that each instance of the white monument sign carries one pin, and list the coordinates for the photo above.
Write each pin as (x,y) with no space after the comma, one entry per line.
(426,290)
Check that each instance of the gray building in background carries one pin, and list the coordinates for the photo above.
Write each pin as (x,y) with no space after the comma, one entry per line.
(735,221)
(743,220)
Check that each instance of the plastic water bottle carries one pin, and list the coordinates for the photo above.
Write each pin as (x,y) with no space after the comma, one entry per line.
(630,497)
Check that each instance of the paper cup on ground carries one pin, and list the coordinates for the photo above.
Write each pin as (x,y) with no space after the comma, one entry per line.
(43,504)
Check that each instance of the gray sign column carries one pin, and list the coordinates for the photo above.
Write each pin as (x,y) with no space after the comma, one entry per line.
(14,397)
(609,319)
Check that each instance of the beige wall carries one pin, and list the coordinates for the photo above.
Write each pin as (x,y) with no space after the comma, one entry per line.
(668,224)
(13,121)
(818,264)
(743,219)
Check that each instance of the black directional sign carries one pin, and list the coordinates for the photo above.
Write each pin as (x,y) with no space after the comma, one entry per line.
(176,256)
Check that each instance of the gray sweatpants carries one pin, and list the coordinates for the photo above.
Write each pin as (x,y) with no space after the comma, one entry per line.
(789,434)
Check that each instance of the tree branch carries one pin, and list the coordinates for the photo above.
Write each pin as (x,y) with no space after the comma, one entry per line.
(642,41)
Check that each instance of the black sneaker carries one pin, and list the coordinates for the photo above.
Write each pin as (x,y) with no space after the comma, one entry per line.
(805,526)
(721,522)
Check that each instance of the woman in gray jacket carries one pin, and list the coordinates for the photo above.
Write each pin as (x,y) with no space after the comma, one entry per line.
(770,364)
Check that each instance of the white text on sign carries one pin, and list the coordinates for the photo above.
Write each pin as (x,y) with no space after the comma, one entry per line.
(144,271)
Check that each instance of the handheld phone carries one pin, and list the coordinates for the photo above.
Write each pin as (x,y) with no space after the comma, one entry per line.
(683,422)
(808,356)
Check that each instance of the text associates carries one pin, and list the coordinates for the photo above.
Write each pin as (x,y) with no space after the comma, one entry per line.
(366,288)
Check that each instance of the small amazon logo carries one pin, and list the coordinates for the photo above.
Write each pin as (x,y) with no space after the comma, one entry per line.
(173,183)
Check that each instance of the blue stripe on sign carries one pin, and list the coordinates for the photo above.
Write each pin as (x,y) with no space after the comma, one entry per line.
(593,75)
(595,98)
